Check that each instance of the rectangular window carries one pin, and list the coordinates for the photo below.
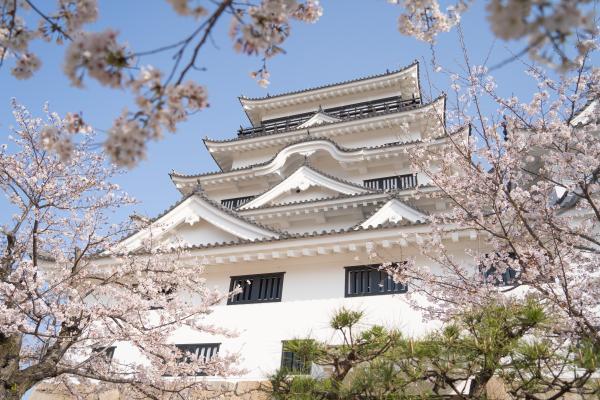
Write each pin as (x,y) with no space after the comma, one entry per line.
(491,275)
(507,278)
(261,288)
(368,280)
(293,364)
(388,183)
(236,201)
(203,351)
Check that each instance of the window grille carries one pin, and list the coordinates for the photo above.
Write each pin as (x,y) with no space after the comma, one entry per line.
(196,351)
(236,202)
(491,275)
(368,280)
(292,363)
(387,183)
(262,288)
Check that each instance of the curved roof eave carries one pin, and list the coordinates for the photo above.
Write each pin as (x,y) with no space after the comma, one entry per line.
(268,98)
(249,102)
(178,176)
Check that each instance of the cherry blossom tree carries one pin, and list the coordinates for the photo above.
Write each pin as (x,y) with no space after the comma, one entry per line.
(165,98)
(524,181)
(69,293)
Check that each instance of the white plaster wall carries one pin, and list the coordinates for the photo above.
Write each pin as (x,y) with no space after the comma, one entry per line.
(202,233)
(313,289)
(311,193)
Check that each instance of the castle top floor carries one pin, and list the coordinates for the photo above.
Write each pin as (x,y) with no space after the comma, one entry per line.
(339,100)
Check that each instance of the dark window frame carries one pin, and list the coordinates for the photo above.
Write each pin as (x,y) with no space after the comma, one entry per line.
(396,182)
(236,202)
(371,268)
(244,278)
(509,277)
(305,369)
(184,346)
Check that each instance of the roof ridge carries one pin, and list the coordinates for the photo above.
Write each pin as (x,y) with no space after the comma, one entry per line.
(292,92)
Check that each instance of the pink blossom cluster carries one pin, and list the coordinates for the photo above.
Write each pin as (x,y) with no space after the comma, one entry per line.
(548,27)
(68,285)
(160,107)
(524,185)
(97,54)
(267,28)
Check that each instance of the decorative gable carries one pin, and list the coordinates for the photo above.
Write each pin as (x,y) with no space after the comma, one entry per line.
(198,221)
(304,184)
(393,211)
(319,118)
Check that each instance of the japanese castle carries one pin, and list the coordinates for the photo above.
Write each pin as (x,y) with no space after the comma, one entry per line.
(299,200)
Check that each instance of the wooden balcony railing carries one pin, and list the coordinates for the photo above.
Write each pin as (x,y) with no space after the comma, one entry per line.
(368,108)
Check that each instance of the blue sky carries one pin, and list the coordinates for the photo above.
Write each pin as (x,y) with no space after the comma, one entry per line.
(354,38)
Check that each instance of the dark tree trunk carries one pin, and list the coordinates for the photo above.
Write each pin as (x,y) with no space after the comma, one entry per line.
(13,382)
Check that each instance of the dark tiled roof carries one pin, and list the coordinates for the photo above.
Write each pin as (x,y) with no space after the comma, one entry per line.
(331,84)
(293,236)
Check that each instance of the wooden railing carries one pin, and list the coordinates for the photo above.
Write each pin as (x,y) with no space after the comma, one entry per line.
(368,108)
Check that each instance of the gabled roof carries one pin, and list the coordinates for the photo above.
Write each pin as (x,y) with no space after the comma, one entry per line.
(587,113)
(319,118)
(302,179)
(193,208)
(392,212)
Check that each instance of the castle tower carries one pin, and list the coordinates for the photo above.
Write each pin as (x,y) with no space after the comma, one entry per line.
(321,177)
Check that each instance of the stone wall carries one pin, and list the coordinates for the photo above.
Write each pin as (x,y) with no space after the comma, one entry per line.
(244,390)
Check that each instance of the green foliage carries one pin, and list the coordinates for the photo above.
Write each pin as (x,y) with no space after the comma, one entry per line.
(508,340)
(344,319)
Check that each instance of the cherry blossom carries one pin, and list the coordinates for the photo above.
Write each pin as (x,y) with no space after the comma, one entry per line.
(524,183)
(260,28)
(68,288)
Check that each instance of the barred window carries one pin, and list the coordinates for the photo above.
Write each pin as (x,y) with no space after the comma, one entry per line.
(195,351)
(368,280)
(491,275)
(387,183)
(292,363)
(261,288)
